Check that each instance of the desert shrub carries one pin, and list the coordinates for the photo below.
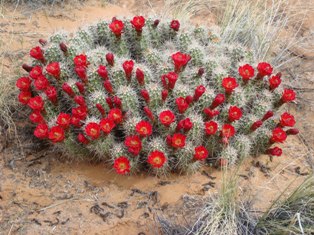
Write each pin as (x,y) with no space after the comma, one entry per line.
(149,95)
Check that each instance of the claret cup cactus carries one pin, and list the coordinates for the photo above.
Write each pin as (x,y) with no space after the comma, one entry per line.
(154,96)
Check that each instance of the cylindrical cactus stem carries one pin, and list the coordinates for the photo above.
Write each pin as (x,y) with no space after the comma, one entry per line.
(129,98)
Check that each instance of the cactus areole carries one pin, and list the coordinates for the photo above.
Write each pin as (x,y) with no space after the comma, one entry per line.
(152,95)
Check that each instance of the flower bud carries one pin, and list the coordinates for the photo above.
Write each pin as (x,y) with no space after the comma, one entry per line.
(110,59)
(42,42)
(101,109)
(145,95)
(256,125)
(292,131)
(27,68)
(63,48)
(164,95)
(140,76)
(108,86)
(268,115)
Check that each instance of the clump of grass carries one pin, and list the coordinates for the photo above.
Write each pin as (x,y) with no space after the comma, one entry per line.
(292,215)
(225,213)
(261,25)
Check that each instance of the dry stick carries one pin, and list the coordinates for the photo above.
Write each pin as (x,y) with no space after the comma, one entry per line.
(57,204)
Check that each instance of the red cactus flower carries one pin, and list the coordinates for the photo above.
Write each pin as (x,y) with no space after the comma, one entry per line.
(80,86)
(27,67)
(80,100)
(134,144)
(278,135)
(229,83)
(80,61)
(106,125)
(110,59)
(172,78)
(156,159)
(75,121)
(116,27)
(41,131)
(101,109)
(234,113)
(36,117)
(149,113)
(178,140)
(256,125)
(56,134)
(138,23)
(292,131)
(115,115)
(24,97)
(211,127)
(67,89)
(175,25)
(227,131)
(287,120)
(199,91)
(276,151)
(24,83)
(211,113)
(288,95)
(36,72)
(36,103)
(54,69)
(182,105)
(274,82)
(37,53)
(268,115)
(80,112)
(246,72)
(145,95)
(92,130)
(122,165)
(81,73)
(144,128)
(180,60)
(41,83)
(82,139)
(219,99)
(128,68)
(187,124)
(167,117)
(117,101)
(140,76)
(201,153)
(164,95)
(108,86)
(51,93)
(264,69)
(64,120)
(102,71)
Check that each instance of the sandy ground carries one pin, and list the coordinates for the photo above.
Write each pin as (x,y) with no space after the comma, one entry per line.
(42,193)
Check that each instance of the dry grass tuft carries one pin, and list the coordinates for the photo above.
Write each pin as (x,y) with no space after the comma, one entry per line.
(291,215)
(225,213)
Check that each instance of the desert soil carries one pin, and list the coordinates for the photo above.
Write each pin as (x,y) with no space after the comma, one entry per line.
(43,193)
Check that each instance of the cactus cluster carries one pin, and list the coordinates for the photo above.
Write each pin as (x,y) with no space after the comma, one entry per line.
(154,96)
